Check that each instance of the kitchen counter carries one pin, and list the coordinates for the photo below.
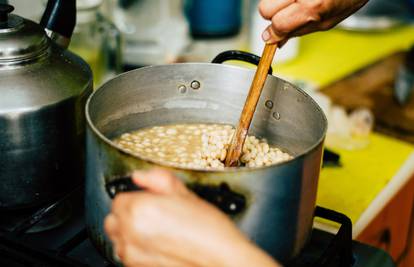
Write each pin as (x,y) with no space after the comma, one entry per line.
(367,179)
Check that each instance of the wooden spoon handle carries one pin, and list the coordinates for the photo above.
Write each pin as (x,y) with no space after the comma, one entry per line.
(236,146)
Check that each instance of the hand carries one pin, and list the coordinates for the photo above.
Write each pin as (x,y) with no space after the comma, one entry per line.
(298,17)
(168,225)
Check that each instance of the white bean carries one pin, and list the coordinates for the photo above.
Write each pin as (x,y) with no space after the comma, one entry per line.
(197,146)
(171,131)
(223,155)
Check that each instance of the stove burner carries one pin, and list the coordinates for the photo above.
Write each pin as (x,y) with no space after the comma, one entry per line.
(54,219)
(35,220)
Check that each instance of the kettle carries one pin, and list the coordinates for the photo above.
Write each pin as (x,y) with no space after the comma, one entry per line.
(43,90)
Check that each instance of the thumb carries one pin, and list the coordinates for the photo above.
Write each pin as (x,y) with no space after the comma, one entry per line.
(270,37)
(159,181)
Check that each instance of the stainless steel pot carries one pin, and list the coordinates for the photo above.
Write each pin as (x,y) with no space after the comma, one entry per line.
(43,89)
(275,204)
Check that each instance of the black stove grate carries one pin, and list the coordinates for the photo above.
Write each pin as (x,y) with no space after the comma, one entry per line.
(16,253)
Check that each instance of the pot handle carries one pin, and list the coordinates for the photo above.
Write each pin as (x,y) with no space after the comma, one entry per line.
(228,201)
(238,55)
(221,196)
(119,185)
(342,241)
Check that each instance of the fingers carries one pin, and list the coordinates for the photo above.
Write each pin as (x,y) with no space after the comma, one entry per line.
(288,20)
(131,256)
(269,36)
(311,27)
(298,17)
(122,250)
(292,18)
(117,226)
(111,226)
(268,8)
(159,181)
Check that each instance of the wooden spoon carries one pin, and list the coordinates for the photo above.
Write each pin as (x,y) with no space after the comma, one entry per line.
(236,146)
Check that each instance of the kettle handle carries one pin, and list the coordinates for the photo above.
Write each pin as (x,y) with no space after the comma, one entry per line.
(59,20)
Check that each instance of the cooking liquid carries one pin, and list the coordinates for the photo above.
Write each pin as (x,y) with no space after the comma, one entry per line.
(197,146)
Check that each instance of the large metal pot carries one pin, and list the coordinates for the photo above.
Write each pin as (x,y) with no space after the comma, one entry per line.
(279,200)
(43,90)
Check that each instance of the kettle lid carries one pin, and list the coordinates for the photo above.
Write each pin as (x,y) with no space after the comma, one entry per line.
(20,39)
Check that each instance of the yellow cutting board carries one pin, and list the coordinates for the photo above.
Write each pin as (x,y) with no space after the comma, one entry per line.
(325,57)
(350,189)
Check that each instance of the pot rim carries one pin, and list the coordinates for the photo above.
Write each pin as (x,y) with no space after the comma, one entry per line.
(225,170)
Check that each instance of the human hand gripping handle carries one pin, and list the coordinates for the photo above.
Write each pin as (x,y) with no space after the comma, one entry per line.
(290,18)
(165,224)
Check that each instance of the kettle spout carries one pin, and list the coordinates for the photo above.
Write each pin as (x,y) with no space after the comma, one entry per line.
(59,20)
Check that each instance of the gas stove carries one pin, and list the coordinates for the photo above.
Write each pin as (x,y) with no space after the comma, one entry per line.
(55,235)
